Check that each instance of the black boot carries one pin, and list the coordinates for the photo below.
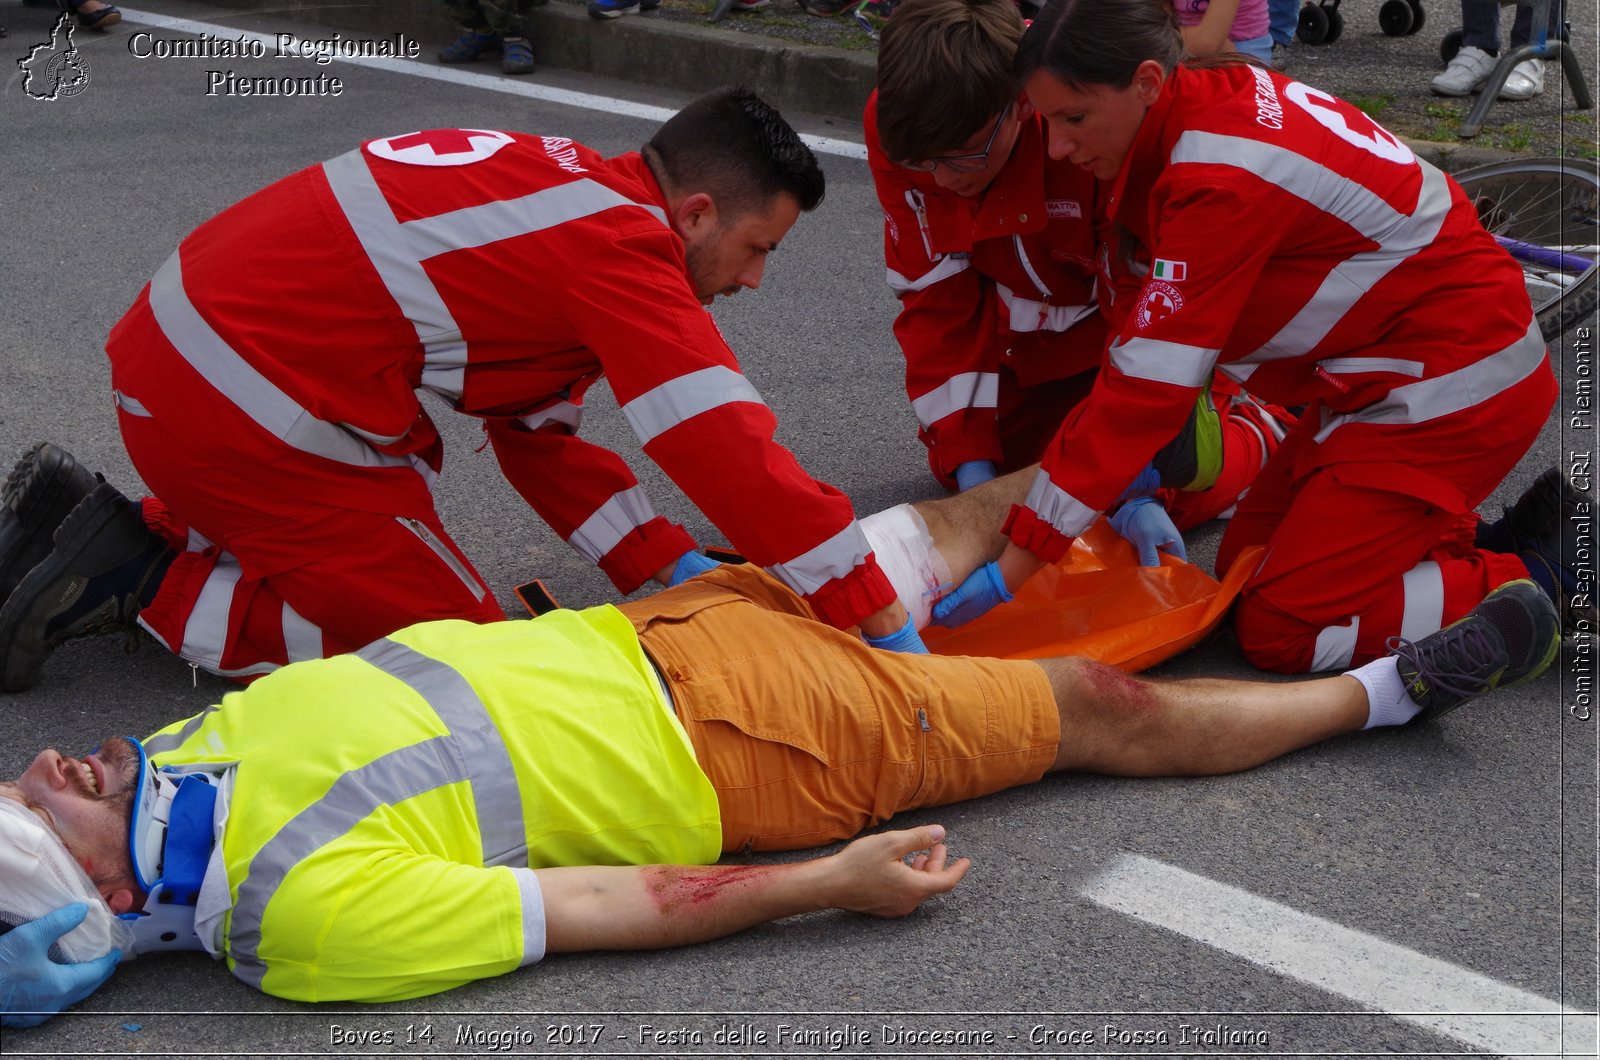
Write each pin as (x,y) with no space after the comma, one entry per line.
(105,566)
(46,484)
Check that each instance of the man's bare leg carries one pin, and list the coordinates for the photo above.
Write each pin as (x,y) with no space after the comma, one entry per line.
(966,527)
(1115,723)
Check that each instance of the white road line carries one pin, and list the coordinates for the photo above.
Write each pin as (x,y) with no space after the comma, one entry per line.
(411,68)
(1470,1008)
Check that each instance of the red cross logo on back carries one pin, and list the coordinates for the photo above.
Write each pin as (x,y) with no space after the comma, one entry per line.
(440,147)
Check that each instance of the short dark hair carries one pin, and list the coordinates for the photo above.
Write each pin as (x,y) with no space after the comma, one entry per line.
(1099,42)
(944,72)
(736,147)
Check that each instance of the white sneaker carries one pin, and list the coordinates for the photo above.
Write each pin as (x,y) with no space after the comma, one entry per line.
(1466,73)
(1525,81)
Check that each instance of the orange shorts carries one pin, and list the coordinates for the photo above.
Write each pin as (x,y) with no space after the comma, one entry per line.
(809,736)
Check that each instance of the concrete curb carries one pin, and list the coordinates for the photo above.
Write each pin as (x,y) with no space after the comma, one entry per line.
(827,82)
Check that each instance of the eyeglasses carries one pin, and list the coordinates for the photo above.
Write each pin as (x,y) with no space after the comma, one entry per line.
(964,163)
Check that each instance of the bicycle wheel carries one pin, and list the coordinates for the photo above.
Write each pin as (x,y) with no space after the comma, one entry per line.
(1546,213)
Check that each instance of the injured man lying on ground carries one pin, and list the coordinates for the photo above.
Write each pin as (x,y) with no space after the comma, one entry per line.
(454,801)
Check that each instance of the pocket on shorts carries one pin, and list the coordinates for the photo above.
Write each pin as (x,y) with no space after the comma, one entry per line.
(712,702)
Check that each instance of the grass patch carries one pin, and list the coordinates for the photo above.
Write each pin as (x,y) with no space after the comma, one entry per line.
(1512,137)
(1443,112)
(1371,106)
(1582,117)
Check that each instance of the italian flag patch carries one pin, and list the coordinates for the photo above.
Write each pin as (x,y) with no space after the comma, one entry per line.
(1169,270)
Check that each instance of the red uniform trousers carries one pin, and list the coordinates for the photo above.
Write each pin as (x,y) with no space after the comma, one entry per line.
(284,555)
(1362,551)
(1027,417)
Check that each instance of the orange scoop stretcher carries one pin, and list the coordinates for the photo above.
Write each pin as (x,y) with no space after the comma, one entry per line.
(1097,603)
(1100,604)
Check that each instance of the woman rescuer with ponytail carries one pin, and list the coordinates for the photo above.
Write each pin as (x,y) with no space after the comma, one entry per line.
(1261,226)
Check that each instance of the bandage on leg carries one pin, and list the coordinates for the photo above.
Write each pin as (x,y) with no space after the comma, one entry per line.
(906,554)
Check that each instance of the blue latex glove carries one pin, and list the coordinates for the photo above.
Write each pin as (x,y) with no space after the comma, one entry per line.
(31,982)
(1145,485)
(983,589)
(690,564)
(1148,528)
(905,639)
(974,473)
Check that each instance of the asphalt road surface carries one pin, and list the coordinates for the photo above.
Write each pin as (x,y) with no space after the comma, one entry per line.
(1378,894)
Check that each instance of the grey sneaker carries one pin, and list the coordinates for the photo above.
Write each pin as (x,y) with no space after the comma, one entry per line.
(1466,73)
(1525,81)
(1511,637)
(42,488)
(1280,56)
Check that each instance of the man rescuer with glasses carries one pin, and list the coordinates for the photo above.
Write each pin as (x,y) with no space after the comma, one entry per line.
(991,249)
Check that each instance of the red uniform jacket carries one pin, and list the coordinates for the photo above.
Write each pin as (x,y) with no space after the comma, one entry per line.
(504,273)
(1006,278)
(1263,227)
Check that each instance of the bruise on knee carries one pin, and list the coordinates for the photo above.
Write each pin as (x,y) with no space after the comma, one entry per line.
(1111,690)
(1111,721)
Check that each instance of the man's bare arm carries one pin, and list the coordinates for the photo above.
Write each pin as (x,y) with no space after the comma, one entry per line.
(653,906)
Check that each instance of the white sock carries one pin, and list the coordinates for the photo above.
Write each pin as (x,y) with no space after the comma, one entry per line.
(1387,702)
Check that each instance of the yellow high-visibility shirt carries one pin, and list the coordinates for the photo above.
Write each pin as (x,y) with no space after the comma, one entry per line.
(387,807)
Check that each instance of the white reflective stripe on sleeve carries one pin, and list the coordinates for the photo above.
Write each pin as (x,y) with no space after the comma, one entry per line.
(132,406)
(1335,646)
(566,413)
(658,410)
(1424,596)
(1025,314)
(947,267)
(302,639)
(1429,399)
(969,390)
(1066,513)
(533,915)
(1359,365)
(834,558)
(239,381)
(614,520)
(374,224)
(204,632)
(1399,235)
(491,222)
(1164,362)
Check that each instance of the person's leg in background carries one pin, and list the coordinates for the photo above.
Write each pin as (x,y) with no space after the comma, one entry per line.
(1480,45)
(1283,19)
(1526,79)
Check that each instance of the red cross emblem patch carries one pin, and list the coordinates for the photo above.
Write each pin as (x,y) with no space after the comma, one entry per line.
(1159,301)
(440,147)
